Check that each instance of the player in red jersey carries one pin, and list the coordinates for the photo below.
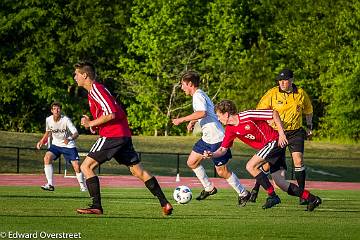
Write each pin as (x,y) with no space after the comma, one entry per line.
(252,128)
(110,120)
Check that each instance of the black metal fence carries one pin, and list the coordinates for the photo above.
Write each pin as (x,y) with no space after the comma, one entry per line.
(30,160)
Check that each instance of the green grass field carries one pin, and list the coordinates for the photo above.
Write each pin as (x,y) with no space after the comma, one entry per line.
(135,214)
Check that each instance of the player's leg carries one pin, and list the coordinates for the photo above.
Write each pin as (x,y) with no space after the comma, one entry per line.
(255,190)
(50,155)
(293,190)
(93,186)
(296,147)
(271,152)
(79,175)
(127,155)
(152,184)
(71,156)
(194,163)
(224,172)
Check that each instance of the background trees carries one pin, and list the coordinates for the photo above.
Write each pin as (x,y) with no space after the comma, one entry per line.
(141,47)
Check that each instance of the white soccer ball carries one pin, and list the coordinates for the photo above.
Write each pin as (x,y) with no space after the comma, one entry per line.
(182,194)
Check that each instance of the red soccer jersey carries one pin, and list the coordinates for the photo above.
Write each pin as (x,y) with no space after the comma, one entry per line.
(252,129)
(103,103)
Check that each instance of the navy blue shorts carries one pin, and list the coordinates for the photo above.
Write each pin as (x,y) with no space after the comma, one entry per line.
(200,146)
(70,154)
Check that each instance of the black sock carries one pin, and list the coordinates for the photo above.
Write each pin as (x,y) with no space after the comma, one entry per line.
(294,190)
(300,178)
(256,186)
(263,180)
(154,187)
(93,186)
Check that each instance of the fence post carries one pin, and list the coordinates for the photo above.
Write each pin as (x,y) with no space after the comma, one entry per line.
(178,168)
(292,168)
(18,160)
(60,165)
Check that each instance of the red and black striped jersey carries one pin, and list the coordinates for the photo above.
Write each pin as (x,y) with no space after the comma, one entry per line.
(103,103)
(253,129)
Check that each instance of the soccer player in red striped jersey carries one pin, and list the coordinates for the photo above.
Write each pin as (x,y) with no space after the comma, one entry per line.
(252,128)
(110,120)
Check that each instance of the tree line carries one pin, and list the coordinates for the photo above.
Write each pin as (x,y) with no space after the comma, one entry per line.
(140,48)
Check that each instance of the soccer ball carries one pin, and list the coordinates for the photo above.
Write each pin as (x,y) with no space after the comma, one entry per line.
(182,194)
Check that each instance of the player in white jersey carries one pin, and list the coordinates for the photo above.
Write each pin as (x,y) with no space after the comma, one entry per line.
(63,133)
(212,136)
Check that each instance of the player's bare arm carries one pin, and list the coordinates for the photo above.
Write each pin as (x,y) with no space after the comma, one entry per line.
(43,140)
(282,138)
(309,124)
(192,117)
(73,136)
(86,122)
(218,153)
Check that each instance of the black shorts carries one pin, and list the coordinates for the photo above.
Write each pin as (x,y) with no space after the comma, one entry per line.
(279,164)
(121,149)
(272,153)
(296,140)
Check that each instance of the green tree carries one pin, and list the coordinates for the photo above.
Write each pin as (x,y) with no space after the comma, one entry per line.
(164,41)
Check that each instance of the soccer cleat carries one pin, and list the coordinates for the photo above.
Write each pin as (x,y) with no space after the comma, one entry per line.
(48,187)
(167,209)
(83,189)
(303,201)
(314,204)
(271,201)
(253,196)
(90,210)
(244,199)
(204,194)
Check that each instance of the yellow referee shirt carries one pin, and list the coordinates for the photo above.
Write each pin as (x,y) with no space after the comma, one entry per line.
(291,106)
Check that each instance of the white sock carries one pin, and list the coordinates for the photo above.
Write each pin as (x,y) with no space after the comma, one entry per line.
(48,169)
(204,179)
(80,178)
(234,181)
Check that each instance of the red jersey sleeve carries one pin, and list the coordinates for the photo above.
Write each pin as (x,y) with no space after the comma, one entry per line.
(106,101)
(256,115)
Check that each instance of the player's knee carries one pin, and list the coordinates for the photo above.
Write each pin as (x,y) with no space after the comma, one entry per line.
(249,167)
(191,164)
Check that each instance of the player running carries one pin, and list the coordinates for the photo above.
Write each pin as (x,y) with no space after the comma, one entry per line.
(114,142)
(212,135)
(252,128)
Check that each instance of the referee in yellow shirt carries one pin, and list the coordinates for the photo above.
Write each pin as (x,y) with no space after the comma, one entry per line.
(291,102)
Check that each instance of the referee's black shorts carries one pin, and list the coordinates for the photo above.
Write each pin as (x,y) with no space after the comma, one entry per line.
(121,149)
(296,139)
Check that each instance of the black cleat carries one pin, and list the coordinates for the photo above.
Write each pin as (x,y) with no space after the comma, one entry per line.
(313,204)
(303,201)
(204,194)
(253,196)
(244,199)
(271,201)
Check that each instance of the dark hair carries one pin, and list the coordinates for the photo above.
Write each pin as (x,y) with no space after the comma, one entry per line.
(191,76)
(56,104)
(86,67)
(226,106)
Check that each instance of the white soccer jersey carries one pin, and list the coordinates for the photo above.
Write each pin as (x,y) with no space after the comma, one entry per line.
(61,130)
(212,130)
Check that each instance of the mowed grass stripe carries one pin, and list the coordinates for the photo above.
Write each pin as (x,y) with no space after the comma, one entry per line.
(136,214)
